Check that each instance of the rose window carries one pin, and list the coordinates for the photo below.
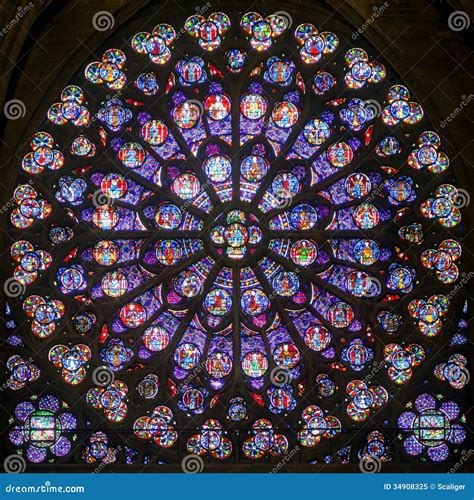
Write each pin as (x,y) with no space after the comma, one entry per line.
(239,224)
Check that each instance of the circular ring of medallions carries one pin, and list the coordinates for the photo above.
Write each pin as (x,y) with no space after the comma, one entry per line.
(268,245)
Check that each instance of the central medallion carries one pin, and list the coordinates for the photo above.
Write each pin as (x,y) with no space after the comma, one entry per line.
(236,234)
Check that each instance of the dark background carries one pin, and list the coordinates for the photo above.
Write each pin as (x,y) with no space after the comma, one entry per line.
(55,38)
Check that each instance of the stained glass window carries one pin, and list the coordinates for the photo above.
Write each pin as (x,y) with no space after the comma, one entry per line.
(230,240)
